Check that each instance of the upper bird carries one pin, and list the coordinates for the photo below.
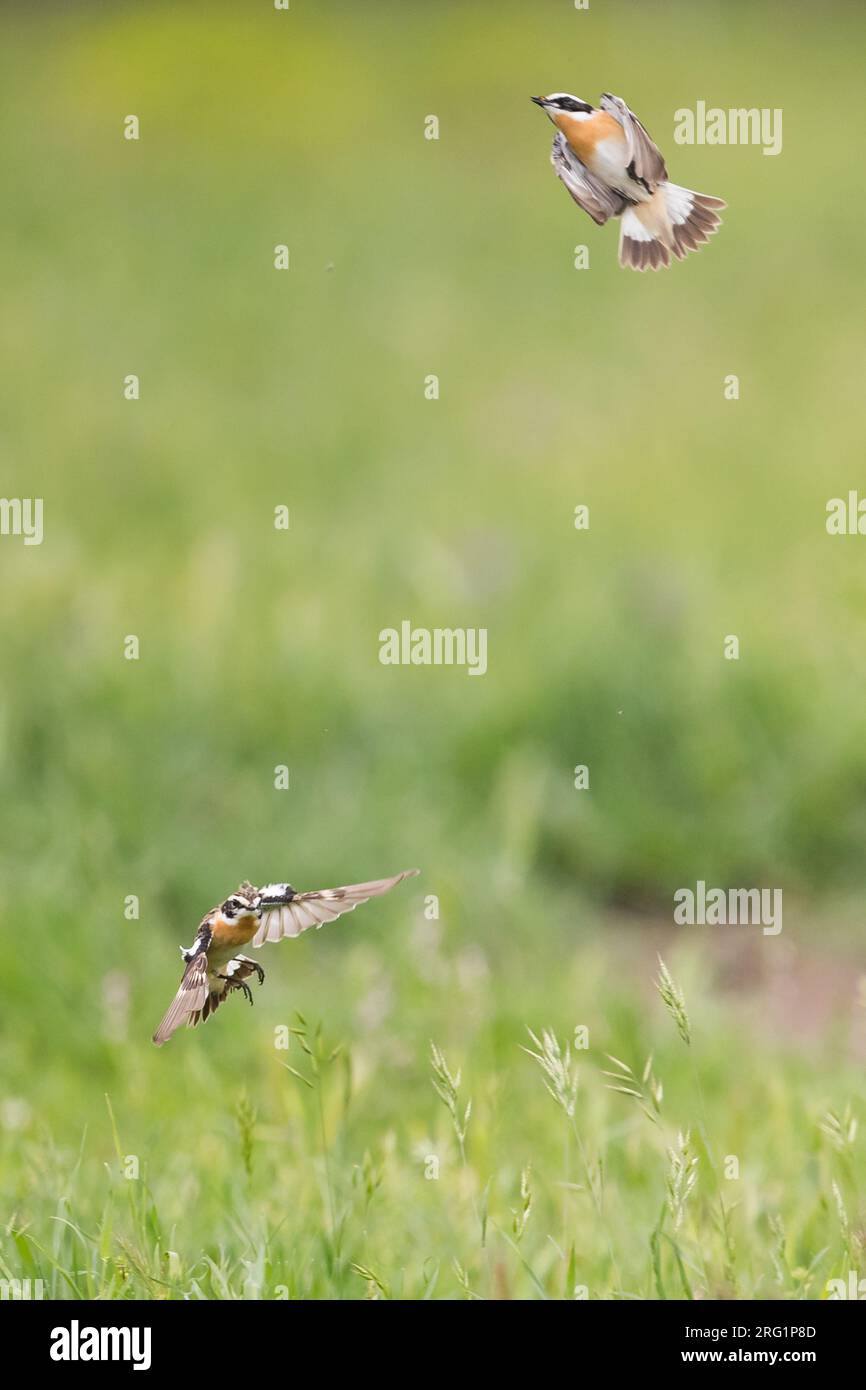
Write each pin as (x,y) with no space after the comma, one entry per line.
(213,966)
(611,168)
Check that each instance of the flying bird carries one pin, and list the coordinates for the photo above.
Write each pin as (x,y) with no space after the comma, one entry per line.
(213,966)
(612,168)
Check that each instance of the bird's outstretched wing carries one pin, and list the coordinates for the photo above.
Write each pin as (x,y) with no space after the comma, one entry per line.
(305,910)
(645,158)
(190,998)
(586,190)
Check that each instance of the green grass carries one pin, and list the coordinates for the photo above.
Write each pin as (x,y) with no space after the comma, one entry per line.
(259,648)
(323,1171)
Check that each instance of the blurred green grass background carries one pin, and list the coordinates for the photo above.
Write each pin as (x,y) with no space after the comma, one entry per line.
(260,647)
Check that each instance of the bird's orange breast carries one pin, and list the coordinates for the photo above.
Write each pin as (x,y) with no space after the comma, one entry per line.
(235,933)
(583,136)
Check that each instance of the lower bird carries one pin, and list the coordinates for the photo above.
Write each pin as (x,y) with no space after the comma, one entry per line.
(612,168)
(213,966)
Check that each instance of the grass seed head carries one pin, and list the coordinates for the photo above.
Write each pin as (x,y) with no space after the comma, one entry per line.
(447,1087)
(682,1177)
(559,1071)
(674,1002)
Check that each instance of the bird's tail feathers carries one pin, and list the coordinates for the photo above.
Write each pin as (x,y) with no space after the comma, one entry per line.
(677,220)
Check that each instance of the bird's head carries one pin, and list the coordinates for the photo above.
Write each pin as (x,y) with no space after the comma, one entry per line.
(563,103)
(242,903)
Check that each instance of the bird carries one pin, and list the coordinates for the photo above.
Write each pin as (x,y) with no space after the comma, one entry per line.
(612,168)
(214,969)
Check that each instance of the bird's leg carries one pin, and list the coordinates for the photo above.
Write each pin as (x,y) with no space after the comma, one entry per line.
(237,984)
(253,964)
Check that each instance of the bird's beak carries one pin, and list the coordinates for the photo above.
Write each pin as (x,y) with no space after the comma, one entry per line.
(539,101)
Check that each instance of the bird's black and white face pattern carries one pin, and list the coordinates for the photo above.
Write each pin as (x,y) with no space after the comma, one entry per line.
(564,101)
(243,903)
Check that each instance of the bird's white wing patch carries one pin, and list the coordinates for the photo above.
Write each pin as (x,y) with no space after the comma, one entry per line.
(645,157)
(588,192)
(275,890)
(306,910)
